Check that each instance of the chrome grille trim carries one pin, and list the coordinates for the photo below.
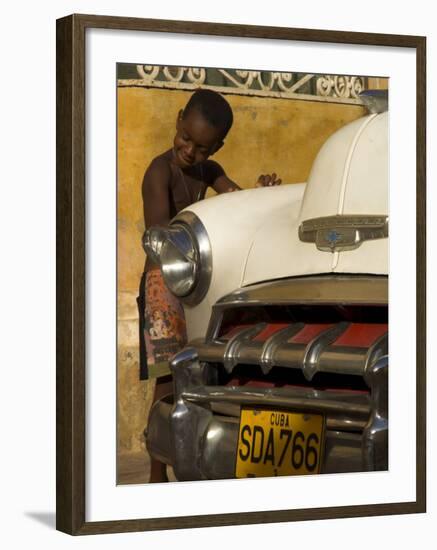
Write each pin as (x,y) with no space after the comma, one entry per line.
(231,353)
(347,405)
(337,422)
(375,434)
(338,360)
(319,355)
(272,344)
(312,290)
(376,351)
(315,348)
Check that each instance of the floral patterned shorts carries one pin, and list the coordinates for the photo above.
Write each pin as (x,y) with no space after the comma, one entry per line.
(164,326)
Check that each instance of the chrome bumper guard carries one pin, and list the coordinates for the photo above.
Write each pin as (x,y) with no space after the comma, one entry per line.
(197,433)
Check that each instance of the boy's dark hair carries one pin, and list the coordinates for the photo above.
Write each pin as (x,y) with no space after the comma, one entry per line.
(213,107)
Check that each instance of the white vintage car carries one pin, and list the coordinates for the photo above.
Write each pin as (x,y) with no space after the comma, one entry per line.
(286,299)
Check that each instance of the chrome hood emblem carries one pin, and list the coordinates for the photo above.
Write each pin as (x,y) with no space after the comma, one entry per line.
(343,232)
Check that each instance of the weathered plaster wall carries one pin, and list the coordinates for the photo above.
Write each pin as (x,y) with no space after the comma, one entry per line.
(268,135)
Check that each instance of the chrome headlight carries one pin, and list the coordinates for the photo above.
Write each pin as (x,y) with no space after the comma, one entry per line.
(184,253)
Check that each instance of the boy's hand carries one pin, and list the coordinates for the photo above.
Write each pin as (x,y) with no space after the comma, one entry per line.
(268,180)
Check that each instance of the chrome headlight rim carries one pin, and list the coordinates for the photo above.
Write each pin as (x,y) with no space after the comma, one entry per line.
(179,260)
(203,273)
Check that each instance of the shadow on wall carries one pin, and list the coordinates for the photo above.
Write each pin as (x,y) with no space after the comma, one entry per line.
(45,518)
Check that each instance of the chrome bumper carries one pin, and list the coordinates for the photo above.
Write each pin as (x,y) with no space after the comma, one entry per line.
(199,443)
(214,448)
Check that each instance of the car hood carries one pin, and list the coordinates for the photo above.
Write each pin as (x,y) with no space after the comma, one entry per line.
(348,177)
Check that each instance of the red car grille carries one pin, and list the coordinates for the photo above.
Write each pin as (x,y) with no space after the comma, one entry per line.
(328,356)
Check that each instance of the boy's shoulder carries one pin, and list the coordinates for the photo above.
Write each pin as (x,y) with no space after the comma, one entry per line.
(161,164)
(164,159)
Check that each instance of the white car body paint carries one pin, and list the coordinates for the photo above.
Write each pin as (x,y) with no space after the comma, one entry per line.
(254,233)
(233,221)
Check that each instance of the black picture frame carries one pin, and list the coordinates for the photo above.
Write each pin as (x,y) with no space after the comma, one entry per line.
(71,279)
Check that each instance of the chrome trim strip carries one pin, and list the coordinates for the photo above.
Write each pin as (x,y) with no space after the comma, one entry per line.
(333,422)
(345,424)
(276,351)
(267,357)
(215,322)
(312,290)
(340,360)
(157,432)
(376,351)
(290,356)
(375,434)
(231,353)
(314,349)
(212,353)
(184,367)
(308,400)
(249,353)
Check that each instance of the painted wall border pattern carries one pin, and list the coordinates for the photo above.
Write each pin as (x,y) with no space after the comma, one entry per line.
(329,88)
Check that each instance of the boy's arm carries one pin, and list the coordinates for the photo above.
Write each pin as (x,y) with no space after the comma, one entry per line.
(224,185)
(216,177)
(155,193)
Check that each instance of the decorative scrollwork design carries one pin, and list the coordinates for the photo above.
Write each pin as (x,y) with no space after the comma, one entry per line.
(324,85)
(356,86)
(148,72)
(248,76)
(196,75)
(283,79)
(178,73)
(266,80)
(272,77)
(339,86)
(255,82)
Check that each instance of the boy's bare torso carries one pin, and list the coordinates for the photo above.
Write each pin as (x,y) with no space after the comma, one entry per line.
(167,189)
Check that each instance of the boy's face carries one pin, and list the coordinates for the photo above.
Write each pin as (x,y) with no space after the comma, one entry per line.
(195,140)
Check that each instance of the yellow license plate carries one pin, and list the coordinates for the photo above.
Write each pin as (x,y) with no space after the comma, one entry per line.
(278,443)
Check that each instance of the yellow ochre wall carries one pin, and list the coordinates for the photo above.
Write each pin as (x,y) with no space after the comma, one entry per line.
(269,134)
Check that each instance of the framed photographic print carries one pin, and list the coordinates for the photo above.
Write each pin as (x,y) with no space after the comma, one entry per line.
(240,216)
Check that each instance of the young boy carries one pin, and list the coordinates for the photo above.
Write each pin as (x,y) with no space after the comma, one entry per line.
(180,176)
(174,180)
